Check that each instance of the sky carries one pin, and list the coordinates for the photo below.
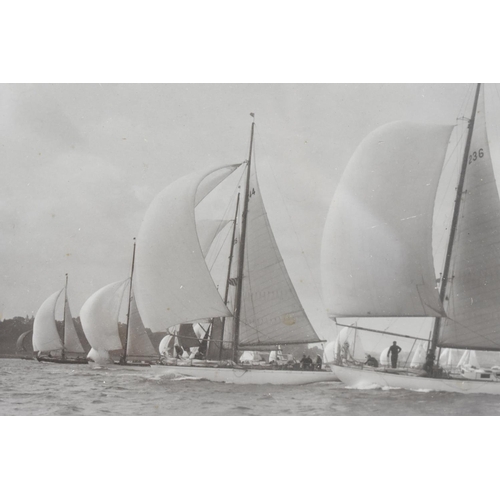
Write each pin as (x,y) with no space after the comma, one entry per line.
(81,163)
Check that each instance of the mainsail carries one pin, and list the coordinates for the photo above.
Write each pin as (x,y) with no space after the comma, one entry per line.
(45,335)
(271,312)
(173,284)
(99,316)
(377,246)
(473,308)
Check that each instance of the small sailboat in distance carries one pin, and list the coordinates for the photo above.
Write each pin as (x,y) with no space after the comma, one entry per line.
(47,344)
(100,322)
(377,253)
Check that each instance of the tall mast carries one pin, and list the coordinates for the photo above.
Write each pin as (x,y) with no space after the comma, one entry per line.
(124,357)
(63,355)
(454,222)
(241,256)
(226,294)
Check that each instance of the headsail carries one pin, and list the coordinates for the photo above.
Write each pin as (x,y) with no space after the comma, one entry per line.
(473,309)
(173,284)
(377,246)
(71,341)
(99,316)
(45,334)
(138,344)
(271,312)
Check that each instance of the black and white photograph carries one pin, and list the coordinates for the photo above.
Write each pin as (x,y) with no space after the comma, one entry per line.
(249,244)
(161,240)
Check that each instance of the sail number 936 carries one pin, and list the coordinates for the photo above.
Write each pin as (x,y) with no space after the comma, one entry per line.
(475,155)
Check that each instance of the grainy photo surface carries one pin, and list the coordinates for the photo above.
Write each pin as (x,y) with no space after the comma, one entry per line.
(250,249)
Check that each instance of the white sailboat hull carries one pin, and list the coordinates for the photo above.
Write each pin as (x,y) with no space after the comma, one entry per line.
(247,376)
(366,378)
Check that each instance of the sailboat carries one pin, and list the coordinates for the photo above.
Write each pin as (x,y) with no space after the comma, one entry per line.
(22,351)
(99,316)
(47,343)
(377,253)
(257,308)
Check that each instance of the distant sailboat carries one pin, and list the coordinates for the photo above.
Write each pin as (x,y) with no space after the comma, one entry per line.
(174,284)
(377,255)
(47,343)
(100,315)
(21,348)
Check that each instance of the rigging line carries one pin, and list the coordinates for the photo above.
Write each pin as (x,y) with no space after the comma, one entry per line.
(315,285)
(473,332)
(452,179)
(246,267)
(224,215)
(383,332)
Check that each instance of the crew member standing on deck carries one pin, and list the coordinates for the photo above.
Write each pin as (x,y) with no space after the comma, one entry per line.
(393,351)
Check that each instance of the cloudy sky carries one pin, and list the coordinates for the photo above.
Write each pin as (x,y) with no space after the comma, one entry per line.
(81,163)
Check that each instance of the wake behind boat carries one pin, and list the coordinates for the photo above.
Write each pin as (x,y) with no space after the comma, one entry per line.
(377,254)
(256,308)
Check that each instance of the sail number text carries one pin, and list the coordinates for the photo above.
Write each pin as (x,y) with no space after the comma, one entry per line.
(475,155)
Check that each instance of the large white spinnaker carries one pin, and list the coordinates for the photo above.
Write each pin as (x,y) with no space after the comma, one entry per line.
(376,253)
(99,317)
(45,335)
(172,282)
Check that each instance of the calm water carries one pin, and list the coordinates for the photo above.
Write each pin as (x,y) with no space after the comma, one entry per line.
(32,388)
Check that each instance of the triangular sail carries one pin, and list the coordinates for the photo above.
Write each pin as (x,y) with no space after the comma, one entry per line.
(138,343)
(45,335)
(271,312)
(71,341)
(473,291)
(172,282)
(377,245)
(99,316)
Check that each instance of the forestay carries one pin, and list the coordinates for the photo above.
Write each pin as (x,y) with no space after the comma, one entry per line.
(173,284)
(474,290)
(45,335)
(99,316)
(271,312)
(377,246)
